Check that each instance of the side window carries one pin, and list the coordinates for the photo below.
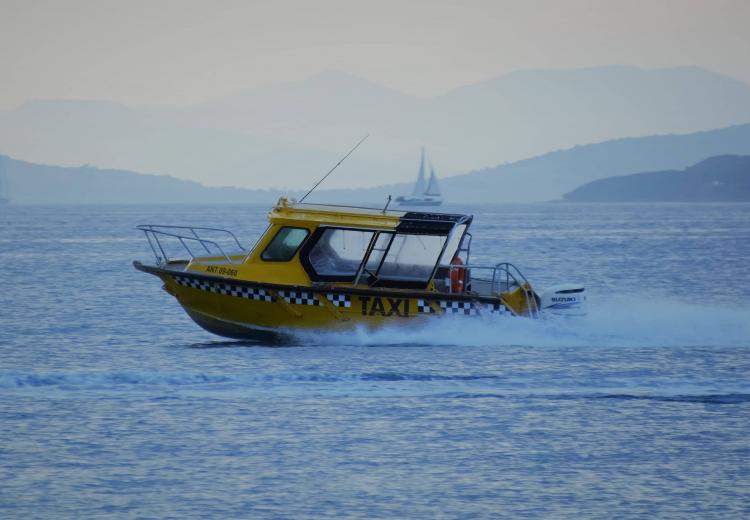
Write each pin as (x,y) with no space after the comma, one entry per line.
(452,248)
(284,245)
(339,252)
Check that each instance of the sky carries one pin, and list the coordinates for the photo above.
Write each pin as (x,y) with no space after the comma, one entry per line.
(178,53)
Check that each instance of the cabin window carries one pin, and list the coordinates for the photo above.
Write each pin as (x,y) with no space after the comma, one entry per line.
(452,248)
(338,253)
(411,258)
(284,245)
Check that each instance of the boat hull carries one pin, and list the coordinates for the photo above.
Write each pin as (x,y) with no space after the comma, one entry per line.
(228,329)
(258,311)
(418,202)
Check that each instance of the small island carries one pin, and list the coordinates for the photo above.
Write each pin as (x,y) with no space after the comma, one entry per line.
(724,178)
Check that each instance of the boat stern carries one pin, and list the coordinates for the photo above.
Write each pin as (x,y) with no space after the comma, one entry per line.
(564,300)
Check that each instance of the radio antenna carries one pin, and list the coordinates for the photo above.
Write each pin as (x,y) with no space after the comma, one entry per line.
(337,165)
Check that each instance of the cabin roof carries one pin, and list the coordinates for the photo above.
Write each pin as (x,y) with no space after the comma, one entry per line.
(288,212)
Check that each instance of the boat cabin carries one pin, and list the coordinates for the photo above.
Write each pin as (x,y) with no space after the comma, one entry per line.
(309,245)
(360,246)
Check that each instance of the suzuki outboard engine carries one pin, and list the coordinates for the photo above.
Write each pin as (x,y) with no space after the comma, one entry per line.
(566,299)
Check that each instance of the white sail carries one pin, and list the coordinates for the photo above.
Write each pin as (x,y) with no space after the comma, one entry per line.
(433,190)
(425,193)
(419,187)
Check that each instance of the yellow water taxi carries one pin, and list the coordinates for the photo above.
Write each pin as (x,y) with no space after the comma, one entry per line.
(326,267)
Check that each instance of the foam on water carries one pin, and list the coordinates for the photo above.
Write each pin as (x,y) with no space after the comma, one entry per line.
(611,322)
(616,324)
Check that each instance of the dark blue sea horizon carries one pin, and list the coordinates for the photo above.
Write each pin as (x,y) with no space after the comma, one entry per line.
(114,404)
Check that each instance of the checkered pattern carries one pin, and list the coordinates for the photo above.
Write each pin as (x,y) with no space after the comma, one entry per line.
(495,308)
(339,300)
(296,297)
(424,307)
(459,307)
(227,289)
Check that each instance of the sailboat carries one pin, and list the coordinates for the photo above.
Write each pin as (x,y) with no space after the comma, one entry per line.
(4,196)
(423,194)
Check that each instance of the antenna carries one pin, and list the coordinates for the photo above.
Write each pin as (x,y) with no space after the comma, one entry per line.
(388,203)
(337,165)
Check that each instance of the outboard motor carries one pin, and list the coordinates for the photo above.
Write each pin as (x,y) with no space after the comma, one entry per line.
(565,299)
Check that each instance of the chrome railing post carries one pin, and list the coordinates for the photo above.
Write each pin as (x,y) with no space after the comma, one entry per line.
(199,240)
(235,240)
(186,248)
(161,248)
(153,249)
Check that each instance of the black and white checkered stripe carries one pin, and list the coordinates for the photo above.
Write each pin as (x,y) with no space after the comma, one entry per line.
(495,308)
(194,283)
(339,300)
(227,289)
(467,308)
(458,307)
(424,307)
(297,297)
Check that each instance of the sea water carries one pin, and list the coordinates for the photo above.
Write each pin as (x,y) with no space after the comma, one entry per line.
(114,404)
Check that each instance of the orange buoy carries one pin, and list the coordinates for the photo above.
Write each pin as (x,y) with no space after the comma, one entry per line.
(458,275)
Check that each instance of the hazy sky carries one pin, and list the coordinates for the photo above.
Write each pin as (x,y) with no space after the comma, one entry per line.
(182,52)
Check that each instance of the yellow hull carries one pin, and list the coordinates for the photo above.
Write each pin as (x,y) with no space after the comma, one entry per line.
(251,310)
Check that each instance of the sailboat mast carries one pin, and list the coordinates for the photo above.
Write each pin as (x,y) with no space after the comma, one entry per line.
(419,187)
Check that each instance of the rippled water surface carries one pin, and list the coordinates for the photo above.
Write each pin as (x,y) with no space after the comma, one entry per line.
(113,403)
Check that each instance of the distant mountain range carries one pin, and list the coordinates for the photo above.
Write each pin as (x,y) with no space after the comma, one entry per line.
(547,177)
(30,183)
(717,179)
(289,134)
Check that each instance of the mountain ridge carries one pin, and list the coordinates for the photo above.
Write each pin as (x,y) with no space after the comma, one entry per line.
(723,178)
(542,178)
(280,135)
(550,175)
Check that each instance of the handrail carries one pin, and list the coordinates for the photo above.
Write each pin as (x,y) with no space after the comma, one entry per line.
(512,273)
(154,231)
(192,229)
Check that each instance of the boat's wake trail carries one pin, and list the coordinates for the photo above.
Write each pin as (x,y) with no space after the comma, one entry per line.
(611,323)
(509,386)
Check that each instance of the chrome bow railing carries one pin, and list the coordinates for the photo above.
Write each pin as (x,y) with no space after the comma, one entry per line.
(185,235)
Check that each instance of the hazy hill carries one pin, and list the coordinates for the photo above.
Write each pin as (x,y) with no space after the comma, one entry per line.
(41,184)
(286,135)
(546,177)
(718,179)
(549,176)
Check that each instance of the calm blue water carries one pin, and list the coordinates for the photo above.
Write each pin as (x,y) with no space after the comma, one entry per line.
(113,403)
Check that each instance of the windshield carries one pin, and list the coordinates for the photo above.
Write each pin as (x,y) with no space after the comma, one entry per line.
(411,258)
